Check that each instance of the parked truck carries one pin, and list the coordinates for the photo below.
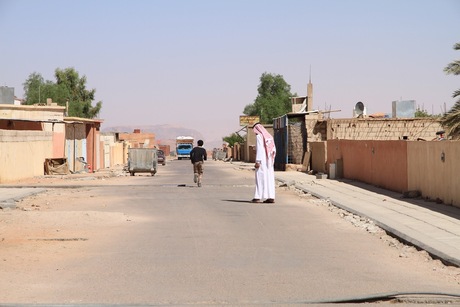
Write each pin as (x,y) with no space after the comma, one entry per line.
(184,145)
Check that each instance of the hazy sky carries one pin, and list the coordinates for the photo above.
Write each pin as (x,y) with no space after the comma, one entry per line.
(197,63)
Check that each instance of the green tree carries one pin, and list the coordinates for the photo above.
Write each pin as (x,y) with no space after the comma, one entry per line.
(273,99)
(233,138)
(69,87)
(73,87)
(451,120)
(421,113)
(424,113)
(36,89)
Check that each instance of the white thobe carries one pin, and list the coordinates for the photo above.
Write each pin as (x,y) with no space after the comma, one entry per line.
(265,174)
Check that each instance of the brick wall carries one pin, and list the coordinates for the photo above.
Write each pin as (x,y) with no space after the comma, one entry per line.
(382,129)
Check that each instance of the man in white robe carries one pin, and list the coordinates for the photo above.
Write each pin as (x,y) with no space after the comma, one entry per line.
(265,159)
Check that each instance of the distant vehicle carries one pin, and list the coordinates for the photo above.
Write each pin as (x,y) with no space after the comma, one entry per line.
(184,145)
(161,157)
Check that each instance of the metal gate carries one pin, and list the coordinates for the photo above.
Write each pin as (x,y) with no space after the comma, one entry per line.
(280,134)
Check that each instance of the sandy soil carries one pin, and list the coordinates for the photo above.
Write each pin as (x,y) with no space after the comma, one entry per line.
(51,228)
(46,229)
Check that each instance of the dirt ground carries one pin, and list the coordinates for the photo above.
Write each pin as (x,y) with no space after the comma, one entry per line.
(50,227)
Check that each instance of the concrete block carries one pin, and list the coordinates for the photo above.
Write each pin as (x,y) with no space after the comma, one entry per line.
(321,176)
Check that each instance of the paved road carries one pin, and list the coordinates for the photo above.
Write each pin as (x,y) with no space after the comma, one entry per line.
(429,226)
(170,242)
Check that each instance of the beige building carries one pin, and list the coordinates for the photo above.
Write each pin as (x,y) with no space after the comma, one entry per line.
(28,136)
(32,135)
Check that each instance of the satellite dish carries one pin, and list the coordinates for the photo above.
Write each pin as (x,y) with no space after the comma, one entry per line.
(359,110)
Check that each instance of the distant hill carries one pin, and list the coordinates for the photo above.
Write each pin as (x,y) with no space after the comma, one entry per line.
(166,134)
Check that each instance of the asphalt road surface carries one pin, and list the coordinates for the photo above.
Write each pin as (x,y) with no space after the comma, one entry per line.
(161,240)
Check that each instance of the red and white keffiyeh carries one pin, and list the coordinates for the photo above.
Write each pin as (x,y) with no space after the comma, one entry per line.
(269,142)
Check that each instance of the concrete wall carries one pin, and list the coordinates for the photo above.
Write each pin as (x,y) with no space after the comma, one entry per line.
(389,165)
(23,154)
(434,177)
(58,144)
(28,136)
(57,129)
(33,113)
(117,154)
(380,163)
(318,157)
(431,168)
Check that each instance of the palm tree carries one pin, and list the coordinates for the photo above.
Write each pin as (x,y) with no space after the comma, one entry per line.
(454,67)
(451,120)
